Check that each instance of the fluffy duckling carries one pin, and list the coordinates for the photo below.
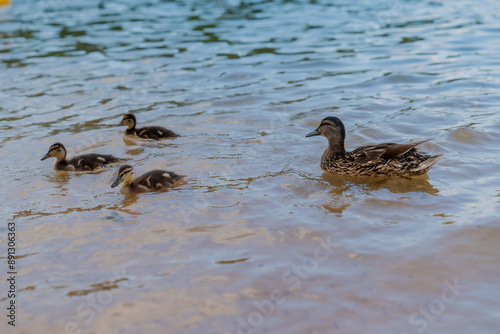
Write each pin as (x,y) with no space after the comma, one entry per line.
(84,162)
(150,132)
(151,181)
(386,159)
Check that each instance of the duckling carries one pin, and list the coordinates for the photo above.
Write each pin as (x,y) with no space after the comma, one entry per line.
(386,159)
(151,181)
(150,132)
(79,163)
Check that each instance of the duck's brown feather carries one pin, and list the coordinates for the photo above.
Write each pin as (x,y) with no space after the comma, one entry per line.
(385,151)
(360,163)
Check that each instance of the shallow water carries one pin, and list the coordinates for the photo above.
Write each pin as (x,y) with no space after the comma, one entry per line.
(258,239)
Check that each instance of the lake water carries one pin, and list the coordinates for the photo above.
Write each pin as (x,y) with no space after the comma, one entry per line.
(258,239)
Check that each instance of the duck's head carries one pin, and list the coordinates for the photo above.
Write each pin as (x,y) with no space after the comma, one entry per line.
(125,174)
(333,129)
(128,120)
(57,151)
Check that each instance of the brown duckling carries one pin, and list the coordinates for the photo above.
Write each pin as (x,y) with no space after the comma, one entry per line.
(386,159)
(84,162)
(151,181)
(149,132)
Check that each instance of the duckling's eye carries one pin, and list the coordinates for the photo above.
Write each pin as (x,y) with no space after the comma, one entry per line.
(122,175)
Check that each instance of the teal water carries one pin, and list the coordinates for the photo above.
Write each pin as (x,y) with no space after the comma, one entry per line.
(258,239)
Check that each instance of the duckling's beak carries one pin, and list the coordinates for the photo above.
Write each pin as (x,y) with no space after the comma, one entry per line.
(45,156)
(121,122)
(116,182)
(313,133)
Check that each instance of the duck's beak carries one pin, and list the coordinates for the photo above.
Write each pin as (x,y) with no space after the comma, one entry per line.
(116,182)
(121,123)
(45,156)
(313,133)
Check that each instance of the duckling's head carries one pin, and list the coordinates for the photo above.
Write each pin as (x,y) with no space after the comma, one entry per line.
(125,174)
(333,129)
(57,151)
(128,120)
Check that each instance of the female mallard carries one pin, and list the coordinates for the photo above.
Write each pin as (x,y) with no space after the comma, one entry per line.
(80,163)
(151,181)
(150,132)
(386,159)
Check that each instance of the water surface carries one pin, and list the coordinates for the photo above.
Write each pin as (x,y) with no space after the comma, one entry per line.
(258,239)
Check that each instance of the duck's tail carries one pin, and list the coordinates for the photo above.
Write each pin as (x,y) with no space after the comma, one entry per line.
(427,164)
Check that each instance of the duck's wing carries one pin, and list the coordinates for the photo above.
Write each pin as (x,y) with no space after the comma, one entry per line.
(175,176)
(156,132)
(91,161)
(385,151)
(157,179)
(368,153)
(394,151)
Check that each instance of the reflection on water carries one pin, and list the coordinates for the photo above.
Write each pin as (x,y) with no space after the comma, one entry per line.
(128,200)
(61,179)
(258,238)
(344,184)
